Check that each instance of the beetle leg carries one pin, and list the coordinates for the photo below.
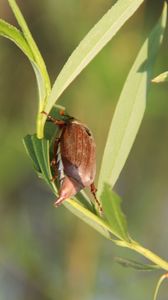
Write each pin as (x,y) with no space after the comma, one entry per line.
(54,167)
(53,120)
(93,190)
(54,161)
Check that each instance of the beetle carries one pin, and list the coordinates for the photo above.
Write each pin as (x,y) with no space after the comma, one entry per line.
(74,158)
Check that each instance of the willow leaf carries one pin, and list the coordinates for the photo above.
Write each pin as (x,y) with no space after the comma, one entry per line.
(91,45)
(131,107)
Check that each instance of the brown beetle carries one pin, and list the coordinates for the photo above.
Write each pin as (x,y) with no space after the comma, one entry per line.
(74,159)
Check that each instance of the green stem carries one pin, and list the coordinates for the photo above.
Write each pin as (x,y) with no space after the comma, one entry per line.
(108,234)
(40,125)
(145,252)
(164,276)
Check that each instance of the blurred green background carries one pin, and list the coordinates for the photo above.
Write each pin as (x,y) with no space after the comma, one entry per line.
(47,253)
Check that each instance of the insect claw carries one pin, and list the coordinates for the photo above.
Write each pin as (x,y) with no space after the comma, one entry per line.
(53,178)
(62,112)
(101,211)
(44,113)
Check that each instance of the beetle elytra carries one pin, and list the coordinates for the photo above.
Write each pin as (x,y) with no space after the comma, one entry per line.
(74,158)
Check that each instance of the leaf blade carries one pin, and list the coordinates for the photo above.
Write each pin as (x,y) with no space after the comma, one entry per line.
(15,35)
(28,36)
(11,32)
(129,263)
(113,213)
(88,217)
(43,80)
(38,149)
(27,141)
(163,77)
(91,45)
(128,115)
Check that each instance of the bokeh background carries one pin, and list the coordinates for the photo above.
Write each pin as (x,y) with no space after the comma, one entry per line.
(47,253)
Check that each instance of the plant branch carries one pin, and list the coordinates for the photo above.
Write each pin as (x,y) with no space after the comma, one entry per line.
(144,252)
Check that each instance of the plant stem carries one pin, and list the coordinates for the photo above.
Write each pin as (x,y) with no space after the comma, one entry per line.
(40,124)
(106,232)
(164,276)
(145,252)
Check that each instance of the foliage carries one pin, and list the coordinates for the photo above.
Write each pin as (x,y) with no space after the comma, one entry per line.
(124,126)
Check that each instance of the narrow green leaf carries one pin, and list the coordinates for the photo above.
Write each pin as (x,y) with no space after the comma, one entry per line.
(16,36)
(46,158)
(161,78)
(38,149)
(31,153)
(11,32)
(129,263)
(41,91)
(43,80)
(130,108)
(91,45)
(113,213)
(88,217)
(28,36)
(83,199)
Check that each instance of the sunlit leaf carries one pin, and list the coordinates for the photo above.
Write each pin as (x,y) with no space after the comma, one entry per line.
(38,64)
(11,32)
(91,45)
(90,218)
(16,36)
(131,107)
(30,41)
(112,210)
(161,78)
